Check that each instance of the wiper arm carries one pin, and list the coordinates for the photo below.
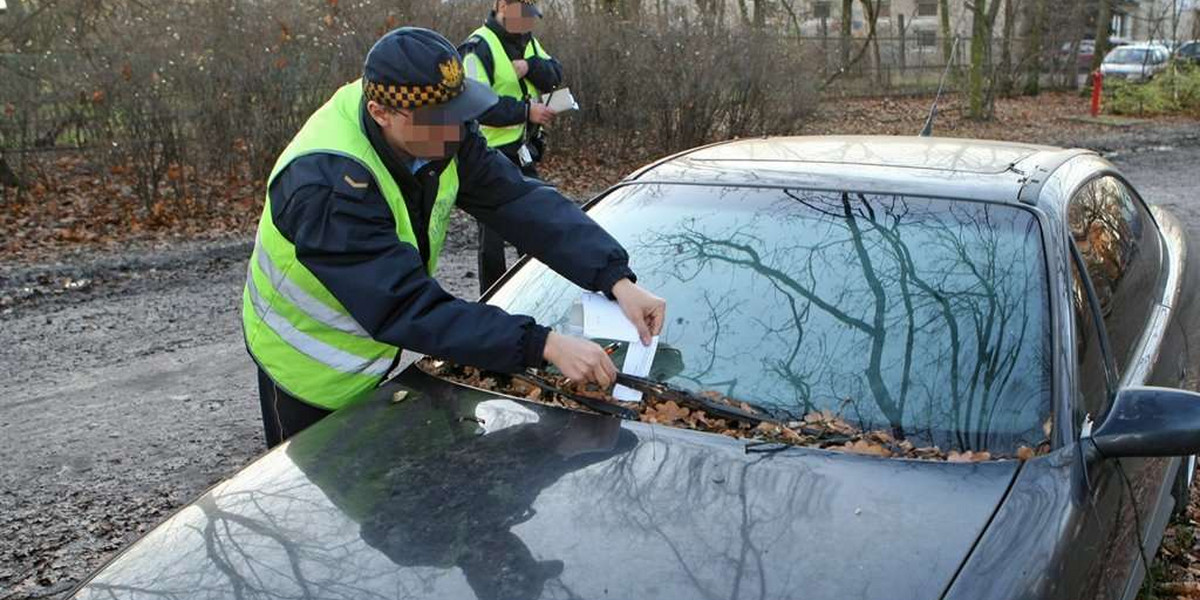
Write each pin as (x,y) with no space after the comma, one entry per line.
(605,408)
(683,397)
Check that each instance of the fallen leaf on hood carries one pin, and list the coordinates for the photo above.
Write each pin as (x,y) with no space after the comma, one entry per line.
(968,456)
(1186,588)
(666,413)
(864,447)
(821,429)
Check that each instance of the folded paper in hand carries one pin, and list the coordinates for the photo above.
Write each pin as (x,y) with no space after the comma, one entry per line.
(603,318)
(560,100)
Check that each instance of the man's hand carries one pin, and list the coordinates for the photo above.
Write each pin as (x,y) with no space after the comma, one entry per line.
(540,114)
(521,67)
(645,310)
(580,360)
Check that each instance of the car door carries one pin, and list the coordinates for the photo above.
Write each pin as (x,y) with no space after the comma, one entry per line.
(1191,51)
(1118,283)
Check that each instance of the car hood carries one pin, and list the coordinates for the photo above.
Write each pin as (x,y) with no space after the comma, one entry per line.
(450,492)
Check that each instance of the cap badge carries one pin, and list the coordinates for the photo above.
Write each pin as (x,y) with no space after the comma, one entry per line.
(452,73)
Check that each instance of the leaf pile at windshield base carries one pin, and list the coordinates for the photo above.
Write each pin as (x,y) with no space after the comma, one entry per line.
(816,429)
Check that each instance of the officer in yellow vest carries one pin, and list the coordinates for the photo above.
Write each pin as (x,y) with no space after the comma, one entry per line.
(356,211)
(504,55)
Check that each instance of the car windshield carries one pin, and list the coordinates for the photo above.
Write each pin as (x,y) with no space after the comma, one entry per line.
(1129,56)
(921,316)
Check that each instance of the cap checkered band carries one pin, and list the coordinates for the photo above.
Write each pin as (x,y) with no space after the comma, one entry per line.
(529,2)
(416,96)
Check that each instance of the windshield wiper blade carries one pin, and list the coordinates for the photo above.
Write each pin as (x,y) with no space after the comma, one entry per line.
(605,408)
(684,397)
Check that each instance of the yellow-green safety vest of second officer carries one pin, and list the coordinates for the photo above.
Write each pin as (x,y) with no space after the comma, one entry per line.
(297,331)
(506,84)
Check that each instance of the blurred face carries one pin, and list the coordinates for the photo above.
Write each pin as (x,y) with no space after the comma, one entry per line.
(515,16)
(415,133)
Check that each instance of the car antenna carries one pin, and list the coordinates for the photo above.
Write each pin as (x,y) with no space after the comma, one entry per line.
(927,130)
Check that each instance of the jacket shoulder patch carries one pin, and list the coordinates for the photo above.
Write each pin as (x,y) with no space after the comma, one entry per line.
(353,180)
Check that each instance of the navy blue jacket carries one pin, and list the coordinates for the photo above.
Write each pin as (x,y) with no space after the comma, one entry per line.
(347,238)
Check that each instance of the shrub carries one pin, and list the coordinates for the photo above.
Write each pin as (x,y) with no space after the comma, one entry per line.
(1177,89)
(213,86)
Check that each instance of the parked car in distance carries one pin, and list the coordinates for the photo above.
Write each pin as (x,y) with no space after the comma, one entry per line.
(1135,62)
(1189,51)
(1087,49)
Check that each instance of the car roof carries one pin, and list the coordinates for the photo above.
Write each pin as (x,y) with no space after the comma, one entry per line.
(1145,46)
(944,167)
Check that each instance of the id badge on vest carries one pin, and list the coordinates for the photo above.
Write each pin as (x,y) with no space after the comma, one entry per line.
(524,155)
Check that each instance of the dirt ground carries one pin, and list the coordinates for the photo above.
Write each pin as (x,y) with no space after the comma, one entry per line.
(125,390)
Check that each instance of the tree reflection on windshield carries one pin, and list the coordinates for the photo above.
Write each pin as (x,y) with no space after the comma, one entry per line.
(924,316)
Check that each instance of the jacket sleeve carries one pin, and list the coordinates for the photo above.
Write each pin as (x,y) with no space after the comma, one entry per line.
(347,238)
(478,63)
(507,111)
(537,219)
(544,73)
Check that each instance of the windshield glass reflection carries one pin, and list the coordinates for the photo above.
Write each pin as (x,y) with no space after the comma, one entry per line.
(926,317)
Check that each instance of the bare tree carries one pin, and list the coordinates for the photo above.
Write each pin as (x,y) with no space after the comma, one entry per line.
(1103,29)
(1005,84)
(1036,15)
(847,24)
(873,14)
(760,13)
(983,20)
(947,33)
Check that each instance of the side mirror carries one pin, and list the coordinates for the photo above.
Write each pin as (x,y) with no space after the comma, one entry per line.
(1150,421)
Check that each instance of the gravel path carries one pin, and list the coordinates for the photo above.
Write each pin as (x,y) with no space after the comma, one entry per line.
(125,390)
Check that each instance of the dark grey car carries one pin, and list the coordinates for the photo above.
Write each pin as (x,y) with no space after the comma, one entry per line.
(976,296)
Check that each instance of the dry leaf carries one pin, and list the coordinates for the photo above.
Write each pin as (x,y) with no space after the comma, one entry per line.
(790,435)
(768,428)
(1188,588)
(399,396)
(667,413)
(864,447)
(825,429)
(968,456)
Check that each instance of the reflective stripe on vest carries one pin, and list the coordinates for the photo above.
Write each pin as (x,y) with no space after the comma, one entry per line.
(504,82)
(295,328)
(303,300)
(344,362)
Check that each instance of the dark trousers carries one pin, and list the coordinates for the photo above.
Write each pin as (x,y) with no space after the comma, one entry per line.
(283,414)
(492,264)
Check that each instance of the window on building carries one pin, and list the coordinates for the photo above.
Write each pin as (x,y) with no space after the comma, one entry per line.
(927,8)
(821,10)
(885,9)
(926,39)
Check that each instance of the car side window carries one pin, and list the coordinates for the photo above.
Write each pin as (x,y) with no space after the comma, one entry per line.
(1120,247)
(1092,380)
